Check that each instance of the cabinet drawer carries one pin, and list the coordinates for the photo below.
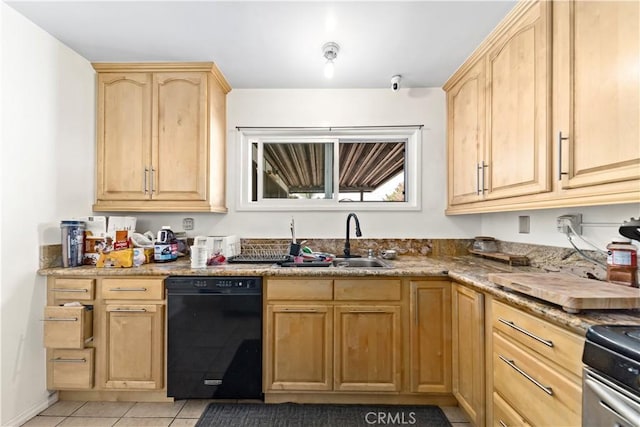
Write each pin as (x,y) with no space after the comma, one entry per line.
(369,290)
(556,344)
(133,289)
(300,289)
(504,415)
(73,289)
(70,369)
(67,327)
(551,398)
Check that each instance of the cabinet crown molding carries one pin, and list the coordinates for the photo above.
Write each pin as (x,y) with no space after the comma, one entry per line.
(150,67)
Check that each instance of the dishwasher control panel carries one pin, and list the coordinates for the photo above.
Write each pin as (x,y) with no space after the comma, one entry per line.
(200,284)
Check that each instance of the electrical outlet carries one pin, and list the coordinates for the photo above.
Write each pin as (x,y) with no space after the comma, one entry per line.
(187,224)
(564,224)
(524,224)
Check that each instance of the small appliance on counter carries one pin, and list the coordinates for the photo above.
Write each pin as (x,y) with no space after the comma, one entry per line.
(226,245)
(165,248)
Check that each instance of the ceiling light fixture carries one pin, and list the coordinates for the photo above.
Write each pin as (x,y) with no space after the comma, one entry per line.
(330,51)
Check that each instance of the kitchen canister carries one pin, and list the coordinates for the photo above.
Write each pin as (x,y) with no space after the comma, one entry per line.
(72,235)
(622,262)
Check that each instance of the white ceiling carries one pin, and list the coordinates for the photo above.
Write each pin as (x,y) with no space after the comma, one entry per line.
(268,44)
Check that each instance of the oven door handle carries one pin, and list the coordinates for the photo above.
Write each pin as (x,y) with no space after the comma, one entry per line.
(609,401)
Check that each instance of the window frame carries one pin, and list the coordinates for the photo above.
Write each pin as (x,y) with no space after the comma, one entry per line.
(246,137)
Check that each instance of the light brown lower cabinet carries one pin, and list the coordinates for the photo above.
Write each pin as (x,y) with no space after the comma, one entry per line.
(468,370)
(112,345)
(535,369)
(70,369)
(133,346)
(352,337)
(430,336)
(504,415)
(368,348)
(299,347)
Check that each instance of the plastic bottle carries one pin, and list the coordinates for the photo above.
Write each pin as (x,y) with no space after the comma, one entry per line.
(165,248)
(622,262)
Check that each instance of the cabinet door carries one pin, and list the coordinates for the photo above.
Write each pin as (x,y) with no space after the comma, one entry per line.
(133,346)
(518,107)
(465,130)
(430,332)
(368,348)
(598,51)
(124,136)
(180,150)
(299,347)
(468,351)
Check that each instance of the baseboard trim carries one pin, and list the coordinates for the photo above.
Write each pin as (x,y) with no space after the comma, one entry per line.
(33,411)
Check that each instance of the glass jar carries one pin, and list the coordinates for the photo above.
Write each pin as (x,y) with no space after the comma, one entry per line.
(622,262)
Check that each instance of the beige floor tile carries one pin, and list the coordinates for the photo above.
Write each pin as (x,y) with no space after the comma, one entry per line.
(88,422)
(249,401)
(144,422)
(43,421)
(184,422)
(103,409)
(455,414)
(155,409)
(193,408)
(460,425)
(62,408)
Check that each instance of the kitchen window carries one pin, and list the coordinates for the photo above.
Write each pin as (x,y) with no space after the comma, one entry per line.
(329,169)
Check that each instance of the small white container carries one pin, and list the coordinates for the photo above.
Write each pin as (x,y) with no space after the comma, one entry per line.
(199,256)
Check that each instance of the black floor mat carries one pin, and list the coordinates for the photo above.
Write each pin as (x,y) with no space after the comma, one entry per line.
(316,415)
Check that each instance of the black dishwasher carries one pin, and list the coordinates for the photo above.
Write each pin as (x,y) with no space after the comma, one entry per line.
(214,344)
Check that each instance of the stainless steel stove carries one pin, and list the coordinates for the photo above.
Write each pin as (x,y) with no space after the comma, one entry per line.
(611,381)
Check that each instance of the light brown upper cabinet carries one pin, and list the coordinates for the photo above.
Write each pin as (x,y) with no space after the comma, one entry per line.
(598,92)
(516,157)
(499,112)
(560,121)
(465,129)
(160,137)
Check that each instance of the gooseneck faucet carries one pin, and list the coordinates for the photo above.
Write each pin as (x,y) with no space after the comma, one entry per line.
(347,245)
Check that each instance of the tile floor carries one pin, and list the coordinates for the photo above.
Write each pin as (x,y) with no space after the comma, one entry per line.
(181,413)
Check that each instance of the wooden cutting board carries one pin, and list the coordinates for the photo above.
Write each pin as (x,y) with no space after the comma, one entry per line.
(572,293)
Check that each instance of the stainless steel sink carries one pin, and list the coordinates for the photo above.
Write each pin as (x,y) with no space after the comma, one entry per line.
(360,263)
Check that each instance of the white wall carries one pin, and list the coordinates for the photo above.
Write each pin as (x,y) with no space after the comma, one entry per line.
(345,107)
(336,107)
(602,223)
(47,169)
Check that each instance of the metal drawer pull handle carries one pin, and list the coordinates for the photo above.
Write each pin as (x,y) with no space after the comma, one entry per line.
(502,424)
(63,360)
(60,319)
(527,333)
(366,311)
(302,310)
(129,289)
(131,310)
(511,363)
(70,290)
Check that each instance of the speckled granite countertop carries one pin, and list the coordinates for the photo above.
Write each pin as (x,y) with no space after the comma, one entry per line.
(468,270)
